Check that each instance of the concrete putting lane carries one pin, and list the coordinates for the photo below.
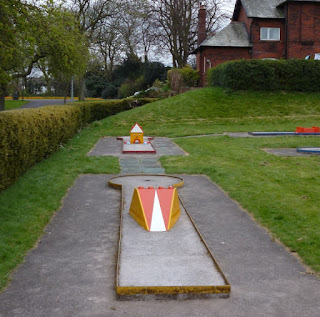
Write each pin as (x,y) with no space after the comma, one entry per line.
(71,271)
(163,262)
(131,163)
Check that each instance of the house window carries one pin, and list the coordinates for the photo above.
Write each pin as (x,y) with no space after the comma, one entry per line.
(270,34)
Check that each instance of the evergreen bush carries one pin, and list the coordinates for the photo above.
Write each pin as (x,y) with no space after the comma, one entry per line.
(110,91)
(189,75)
(184,77)
(268,75)
(27,136)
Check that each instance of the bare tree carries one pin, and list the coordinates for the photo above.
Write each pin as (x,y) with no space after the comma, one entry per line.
(134,19)
(127,33)
(149,34)
(177,22)
(91,16)
(109,45)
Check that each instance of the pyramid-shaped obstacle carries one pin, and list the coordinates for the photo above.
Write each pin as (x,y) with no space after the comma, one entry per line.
(155,209)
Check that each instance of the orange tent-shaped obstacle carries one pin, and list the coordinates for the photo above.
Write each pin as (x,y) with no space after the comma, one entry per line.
(155,209)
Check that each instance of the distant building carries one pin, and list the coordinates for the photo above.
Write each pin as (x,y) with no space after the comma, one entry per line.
(261,29)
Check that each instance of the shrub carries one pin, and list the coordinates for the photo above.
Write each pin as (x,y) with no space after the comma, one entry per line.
(97,110)
(138,102)
(129,87)
(27,136)
(184,77)
(270,75)
(153,71)
(95,85)
(125,90)
(109,92)
(189,76)
(158,84)
(175,79)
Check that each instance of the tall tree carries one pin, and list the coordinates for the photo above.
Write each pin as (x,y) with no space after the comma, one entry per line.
(109,45)
(91,15)
(12,15)
(177,24)
(38,32)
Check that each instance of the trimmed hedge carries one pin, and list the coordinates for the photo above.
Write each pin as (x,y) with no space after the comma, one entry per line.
(29,135)
(182,77)
(269,75)
(97,110)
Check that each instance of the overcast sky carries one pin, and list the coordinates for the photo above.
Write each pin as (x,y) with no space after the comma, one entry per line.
(229,4)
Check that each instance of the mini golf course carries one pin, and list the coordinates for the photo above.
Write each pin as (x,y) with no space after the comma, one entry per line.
(93,253)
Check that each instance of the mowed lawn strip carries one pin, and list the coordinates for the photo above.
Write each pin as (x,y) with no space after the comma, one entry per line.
(240,167)
(14,104)
(282,193)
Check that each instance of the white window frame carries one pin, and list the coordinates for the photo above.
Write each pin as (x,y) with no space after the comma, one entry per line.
(268,34)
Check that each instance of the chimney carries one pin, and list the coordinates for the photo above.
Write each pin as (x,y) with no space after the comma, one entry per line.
(202,35)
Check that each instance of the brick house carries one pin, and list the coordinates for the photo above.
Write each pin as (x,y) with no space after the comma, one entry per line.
(261,29)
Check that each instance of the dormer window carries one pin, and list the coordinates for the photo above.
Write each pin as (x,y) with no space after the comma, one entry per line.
(270,34)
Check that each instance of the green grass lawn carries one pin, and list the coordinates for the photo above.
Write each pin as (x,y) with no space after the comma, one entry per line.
(210,110)
(280,192)
(14,104)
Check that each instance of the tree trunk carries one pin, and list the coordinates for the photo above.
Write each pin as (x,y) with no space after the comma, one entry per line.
(81,88)
(146,60)
(24,79)
(2,100)
(65,94)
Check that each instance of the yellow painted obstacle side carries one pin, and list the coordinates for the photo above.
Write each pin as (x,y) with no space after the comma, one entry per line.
(155,209)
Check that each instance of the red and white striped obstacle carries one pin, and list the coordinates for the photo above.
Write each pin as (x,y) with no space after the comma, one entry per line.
(155,209)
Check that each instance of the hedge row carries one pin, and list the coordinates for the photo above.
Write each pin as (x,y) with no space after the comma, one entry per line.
(270,75)
(29,135)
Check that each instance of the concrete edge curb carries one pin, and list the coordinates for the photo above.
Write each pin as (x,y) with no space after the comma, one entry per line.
(136,292)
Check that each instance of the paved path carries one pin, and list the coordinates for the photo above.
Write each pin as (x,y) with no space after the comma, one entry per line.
(137,163)
(37,103)
(248,135)
(288,152)
(72,270)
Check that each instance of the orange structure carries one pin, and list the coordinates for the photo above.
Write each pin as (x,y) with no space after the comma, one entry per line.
(308,130)
(136,134)
(155,209)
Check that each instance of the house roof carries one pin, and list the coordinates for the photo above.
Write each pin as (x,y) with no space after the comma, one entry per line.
(281,2)
(233,35)
(267,9)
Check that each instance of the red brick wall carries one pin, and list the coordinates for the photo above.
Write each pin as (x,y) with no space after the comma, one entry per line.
(267,49)
(216,56)
(303,29)
(202,35)
(302,38)
(243,18)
